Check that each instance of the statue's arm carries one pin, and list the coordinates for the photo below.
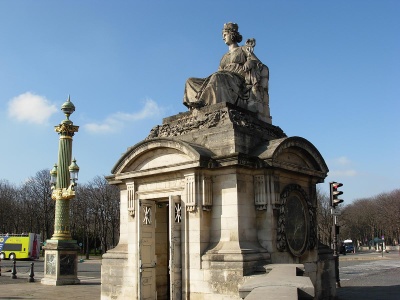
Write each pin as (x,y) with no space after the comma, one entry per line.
(251,59)
(249,47)
(256,72)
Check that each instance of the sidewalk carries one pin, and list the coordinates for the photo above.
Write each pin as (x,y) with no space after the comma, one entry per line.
(21,288)
(90,287)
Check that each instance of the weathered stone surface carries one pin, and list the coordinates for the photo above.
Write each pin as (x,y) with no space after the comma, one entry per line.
(241,79)
(283,277)
(229,238)
(273,293)
(226,175)
(222,128)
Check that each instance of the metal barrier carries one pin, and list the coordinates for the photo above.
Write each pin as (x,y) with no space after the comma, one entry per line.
(31,274)
(14,272)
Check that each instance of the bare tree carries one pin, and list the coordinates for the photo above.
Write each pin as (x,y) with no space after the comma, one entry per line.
(374,217)
(94,210)
(106,202)
(8,208)
(83,218)
(324,218)
(36,194)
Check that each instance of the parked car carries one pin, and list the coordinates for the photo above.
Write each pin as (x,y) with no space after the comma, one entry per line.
(349,247)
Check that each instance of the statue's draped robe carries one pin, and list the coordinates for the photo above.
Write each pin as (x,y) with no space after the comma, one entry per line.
(228,84)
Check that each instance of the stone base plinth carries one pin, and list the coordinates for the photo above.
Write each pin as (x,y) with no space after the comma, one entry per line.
(61,263)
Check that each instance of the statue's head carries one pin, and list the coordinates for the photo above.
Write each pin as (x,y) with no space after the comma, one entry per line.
(233,30)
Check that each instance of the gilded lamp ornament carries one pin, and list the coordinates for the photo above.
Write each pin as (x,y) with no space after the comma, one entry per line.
(64,193)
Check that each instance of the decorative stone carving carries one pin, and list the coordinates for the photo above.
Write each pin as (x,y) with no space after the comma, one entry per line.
(194,122)
(198,191)
(51,264)
(266,189)
(131,198)
(190,192)
(225,150)
(178,212)
(282,235)
(147,215)
(274,188)
(241,79)
(260,195)
(207,193)
(188,124)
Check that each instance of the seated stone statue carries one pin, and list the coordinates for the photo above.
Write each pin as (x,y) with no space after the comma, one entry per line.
(241,79)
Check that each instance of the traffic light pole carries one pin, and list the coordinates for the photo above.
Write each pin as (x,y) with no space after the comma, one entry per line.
(335,201)
(335,251)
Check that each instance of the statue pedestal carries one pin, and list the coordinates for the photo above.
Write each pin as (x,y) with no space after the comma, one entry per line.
(245,193)
(61,263)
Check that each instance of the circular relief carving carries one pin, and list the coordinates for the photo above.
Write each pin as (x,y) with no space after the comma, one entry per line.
(296,225)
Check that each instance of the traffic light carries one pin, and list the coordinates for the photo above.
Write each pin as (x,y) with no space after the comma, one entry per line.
(335,193)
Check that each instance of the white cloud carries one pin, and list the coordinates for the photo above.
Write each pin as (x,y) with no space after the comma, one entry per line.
(116,121)
(31,108)
(342,167)
(343,161)
(343,173)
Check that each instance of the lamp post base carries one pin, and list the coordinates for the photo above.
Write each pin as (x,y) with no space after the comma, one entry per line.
(61,262)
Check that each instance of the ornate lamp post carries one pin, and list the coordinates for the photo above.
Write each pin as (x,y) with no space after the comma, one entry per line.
(61,252)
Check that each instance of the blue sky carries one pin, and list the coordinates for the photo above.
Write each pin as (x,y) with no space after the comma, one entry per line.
(334,78)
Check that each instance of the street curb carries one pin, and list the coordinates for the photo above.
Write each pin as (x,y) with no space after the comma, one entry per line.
(369,256)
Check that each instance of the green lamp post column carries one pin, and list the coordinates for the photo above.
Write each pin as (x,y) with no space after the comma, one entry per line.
(64,186)
(61,252)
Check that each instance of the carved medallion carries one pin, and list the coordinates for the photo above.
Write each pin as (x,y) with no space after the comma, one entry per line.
(296,225)
(296,221)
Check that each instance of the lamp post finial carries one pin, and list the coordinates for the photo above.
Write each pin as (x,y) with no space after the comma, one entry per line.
(68,107)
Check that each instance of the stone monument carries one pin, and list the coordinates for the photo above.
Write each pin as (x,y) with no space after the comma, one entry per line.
(241,79)
(216,193)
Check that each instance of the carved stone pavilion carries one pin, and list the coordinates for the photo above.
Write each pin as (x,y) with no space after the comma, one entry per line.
(215,194)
